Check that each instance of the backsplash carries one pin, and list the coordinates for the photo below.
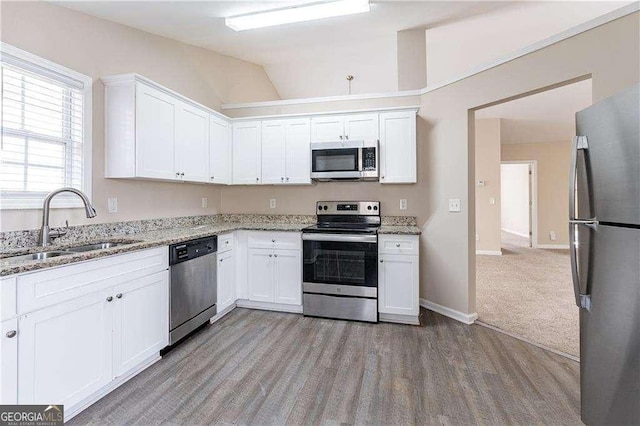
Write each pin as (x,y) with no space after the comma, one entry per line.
(28,238)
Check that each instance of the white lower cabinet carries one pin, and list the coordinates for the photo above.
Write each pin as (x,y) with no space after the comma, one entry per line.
(275,276)
(71,350)
(398,279)
(65,351)
(226,280)
(140,322)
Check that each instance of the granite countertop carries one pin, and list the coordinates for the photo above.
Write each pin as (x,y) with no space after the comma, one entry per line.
(399,230)
(149,239)
(137,241)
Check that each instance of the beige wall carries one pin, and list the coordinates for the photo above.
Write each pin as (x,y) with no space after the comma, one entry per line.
(446,152)
(488,169)
(97,48)
(552,160)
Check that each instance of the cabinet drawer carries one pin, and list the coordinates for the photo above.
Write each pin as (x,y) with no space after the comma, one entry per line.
(398,244)
(56,285)
(225,242)
(275,240)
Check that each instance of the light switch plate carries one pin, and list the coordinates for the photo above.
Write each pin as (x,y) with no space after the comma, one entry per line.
(205,202)
(455,205)
(552,235)
(112,205)
(403,204)
(272,203)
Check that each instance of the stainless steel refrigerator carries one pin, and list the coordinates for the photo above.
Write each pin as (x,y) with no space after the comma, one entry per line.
(604,208)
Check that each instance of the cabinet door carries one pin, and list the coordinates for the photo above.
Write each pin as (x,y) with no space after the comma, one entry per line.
(288,277)
(273,151)
(260,275)
(361,127)
(298,151)
(327,128)
(246,153)
(226,280)
(65,351)
(192,143)
(9,362)
(398,284)
(155,133)
(219,151)
(141,323)
(398,147)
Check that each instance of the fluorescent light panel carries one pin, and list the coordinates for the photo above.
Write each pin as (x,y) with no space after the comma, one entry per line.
(302,13)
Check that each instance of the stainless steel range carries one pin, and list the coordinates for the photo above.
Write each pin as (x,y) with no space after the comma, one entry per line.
(340,261)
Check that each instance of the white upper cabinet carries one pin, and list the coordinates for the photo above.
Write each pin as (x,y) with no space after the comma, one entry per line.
(286,151)
(219,151)
(246,152)
(155,123)
(298,151)
(274,151)
(192,143)
(361,127)
(398,147)
(335,128)
(329,128)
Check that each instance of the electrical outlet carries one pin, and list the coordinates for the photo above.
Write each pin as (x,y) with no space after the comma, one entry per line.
(112,205)
(272,203)
(492,200)
(205,202)
(455,205)
(552,235)
(403,204)
(477,237)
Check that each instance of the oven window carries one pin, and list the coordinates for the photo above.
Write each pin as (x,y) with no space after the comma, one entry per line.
(340,263)
(335,160)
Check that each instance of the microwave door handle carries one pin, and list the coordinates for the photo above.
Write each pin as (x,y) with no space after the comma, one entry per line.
(359,165)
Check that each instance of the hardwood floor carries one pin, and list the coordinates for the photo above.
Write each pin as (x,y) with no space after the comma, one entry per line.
(260,367)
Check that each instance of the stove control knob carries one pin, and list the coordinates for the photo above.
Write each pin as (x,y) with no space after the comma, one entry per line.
(326,208)
(375,207)
(368,207)
(319,207)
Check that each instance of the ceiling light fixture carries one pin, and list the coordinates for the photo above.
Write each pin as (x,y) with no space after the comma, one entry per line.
(305,12)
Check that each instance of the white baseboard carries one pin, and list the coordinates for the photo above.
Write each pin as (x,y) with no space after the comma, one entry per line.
(399,319)
(119,381)
(278,307)
(489,252)
(515,233)
(448,312)
(553,246)
(224,312)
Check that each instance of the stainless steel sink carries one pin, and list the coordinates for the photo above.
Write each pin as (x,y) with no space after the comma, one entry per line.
(40,256)
(91,247)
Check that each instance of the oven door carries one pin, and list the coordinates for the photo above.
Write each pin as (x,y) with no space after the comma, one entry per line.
(340,264)
(336,160)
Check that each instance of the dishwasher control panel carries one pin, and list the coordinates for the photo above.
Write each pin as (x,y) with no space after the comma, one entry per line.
(192,249)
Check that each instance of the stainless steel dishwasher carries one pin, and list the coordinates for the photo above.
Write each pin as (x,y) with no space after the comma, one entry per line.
(193,298)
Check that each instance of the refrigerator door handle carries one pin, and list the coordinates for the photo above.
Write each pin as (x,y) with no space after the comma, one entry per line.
(583,299)
(579,142)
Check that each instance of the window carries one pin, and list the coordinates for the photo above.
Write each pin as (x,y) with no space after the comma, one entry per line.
(46,131)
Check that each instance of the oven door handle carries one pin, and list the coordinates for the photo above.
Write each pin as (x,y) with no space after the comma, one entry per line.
(341,238)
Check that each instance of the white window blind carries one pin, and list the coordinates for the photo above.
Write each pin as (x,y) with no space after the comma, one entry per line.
(43,132)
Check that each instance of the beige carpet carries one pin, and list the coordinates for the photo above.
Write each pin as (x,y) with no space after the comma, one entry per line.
(528,292)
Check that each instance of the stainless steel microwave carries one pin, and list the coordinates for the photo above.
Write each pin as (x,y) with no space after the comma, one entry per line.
(345,160)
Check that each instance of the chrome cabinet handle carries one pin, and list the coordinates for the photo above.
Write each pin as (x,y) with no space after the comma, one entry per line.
(397,244)
(381,261)
(211,177)
(346,137)
(257,179)
(226,242)
(109,299)
(341,137)
(287,179)
(273,241)
(182,174)
(270,255)
(221,260)
(119,295)
(275,255)
(11,334)
(177,173)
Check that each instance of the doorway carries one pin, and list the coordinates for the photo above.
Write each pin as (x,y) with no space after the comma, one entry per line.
(518,209)
(523,274)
